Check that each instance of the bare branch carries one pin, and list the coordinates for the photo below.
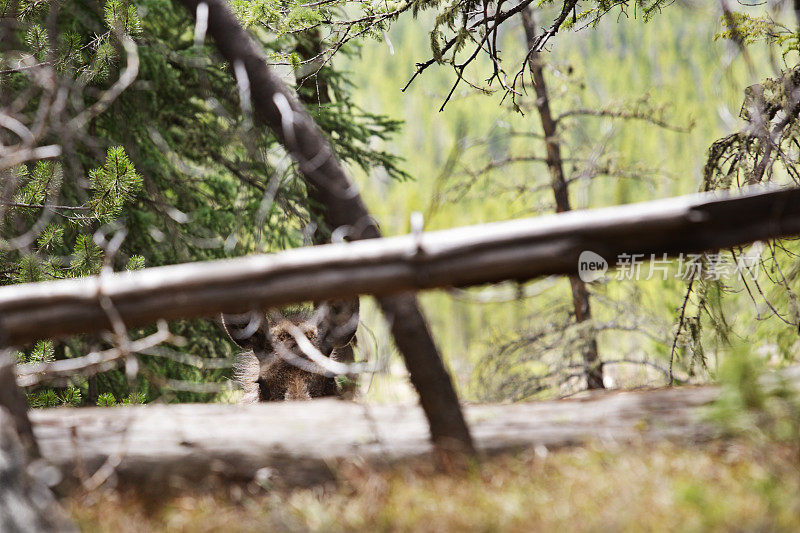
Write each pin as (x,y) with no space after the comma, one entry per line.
(29,375)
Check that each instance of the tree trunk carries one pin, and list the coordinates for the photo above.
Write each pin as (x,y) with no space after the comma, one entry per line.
(276,107)
(593,367)
(26,504)
(13,402)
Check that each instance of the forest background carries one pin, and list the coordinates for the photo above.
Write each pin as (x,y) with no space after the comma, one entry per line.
(477,160)
(674,69)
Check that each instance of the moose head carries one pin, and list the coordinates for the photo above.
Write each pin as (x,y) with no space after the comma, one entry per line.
(282,351)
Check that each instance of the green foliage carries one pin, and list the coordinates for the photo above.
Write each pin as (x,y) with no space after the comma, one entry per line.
(757,405)
(28,270)
(168,161)
(136,262)
(51,238)
(43,352)
(122,17)
(749,30)
(764,151)
(463,30)
(134,398)
(36,40)
(673,61)
(45,398)
(70,397)
(87,258)
(114,184)
(40,183)
(644,9)
(106,399)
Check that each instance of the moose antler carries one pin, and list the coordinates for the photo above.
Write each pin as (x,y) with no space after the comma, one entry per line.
(248,330)
(336,322)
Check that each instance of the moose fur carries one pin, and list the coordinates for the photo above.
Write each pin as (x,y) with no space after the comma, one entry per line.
(274,368)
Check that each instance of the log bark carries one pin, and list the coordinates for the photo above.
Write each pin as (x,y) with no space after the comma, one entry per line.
(277,107)
(593,367)
(516,250)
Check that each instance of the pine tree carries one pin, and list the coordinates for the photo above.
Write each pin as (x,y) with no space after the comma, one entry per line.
(173,161)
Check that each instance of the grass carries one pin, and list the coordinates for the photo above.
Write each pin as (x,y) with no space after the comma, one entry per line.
(725,486)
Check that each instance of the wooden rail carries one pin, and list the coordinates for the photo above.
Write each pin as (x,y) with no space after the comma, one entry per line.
(517,250)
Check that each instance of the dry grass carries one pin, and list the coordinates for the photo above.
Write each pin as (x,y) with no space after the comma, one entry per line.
(723,487)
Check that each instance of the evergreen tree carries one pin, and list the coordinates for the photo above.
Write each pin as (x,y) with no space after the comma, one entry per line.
(172,161)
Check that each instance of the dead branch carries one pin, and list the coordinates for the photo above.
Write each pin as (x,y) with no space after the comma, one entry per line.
(33,374)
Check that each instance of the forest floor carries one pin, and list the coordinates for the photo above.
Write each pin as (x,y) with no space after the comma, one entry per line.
(668,459)
(728,485)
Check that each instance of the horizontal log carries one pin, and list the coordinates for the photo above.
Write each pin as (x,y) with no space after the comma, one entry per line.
(517,250)
(156,447)
(153,447)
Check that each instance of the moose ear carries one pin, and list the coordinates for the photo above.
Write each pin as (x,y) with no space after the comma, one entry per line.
(337,323)
(249,330)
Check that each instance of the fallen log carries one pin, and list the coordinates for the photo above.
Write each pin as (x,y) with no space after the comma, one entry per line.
(517,250)
(158,447)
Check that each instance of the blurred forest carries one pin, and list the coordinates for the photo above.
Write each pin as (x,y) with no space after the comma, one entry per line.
(674,69)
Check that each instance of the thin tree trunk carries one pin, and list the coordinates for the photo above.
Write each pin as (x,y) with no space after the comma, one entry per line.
(580,295)
(276,107)
(12,400)
(26,504)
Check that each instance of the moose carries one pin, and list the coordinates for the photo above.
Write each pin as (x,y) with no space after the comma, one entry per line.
(279,350)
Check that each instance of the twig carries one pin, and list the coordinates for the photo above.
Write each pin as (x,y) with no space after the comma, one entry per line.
(29,375)
(677,333)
